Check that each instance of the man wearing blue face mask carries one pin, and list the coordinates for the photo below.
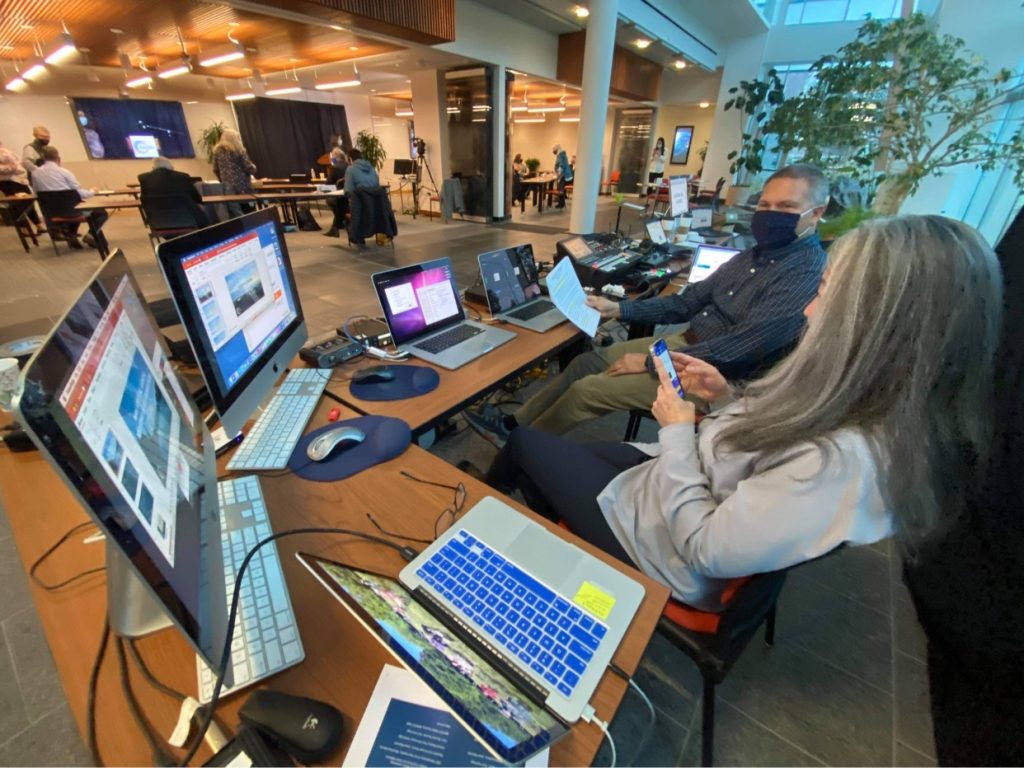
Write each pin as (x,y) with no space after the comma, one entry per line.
(743,318)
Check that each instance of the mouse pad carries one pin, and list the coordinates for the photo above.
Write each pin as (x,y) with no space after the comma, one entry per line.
(410,381)
(386,438)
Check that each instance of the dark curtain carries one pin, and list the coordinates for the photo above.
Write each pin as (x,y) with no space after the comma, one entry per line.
(115,120)
(285,137)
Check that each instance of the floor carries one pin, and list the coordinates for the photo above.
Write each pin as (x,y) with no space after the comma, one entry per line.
(845,683)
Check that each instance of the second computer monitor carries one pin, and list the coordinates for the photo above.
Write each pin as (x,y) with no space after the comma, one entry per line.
(235,292)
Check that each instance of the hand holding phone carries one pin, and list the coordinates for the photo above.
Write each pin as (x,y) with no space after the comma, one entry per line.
(659,349)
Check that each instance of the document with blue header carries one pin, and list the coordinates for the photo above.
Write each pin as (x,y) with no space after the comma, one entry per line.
(567,294)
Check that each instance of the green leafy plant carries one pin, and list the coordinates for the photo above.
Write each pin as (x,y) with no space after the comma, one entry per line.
(896,105)
(756,100)
(619,198)
(851,218)
(372,150)
(209,137)
(532,163)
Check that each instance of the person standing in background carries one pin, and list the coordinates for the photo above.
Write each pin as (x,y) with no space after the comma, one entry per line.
(656,169)
(234,169)
(32,154)
(564,171)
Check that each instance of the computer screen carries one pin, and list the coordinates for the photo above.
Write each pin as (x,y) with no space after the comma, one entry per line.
(105,406)
(233,286)
(576,247)
(510,277)
(707,260)
(656,231)
(419,299)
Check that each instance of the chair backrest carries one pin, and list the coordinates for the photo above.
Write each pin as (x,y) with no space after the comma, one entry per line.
(171,212)
(60,203)
(616,175)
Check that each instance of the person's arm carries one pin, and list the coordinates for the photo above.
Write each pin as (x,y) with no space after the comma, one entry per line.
(72,182)
(668,309)
(28,158)
(803,506)
(250,166)
(350,180)
(216,165)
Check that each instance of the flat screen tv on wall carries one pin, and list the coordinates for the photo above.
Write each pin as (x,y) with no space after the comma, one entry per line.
(124,129)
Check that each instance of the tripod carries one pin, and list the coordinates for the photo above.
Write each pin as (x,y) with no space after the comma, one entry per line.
(417,185)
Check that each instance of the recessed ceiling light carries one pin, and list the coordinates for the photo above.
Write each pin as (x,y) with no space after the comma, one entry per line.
(642,42)
(234,23)
(581,11)
(283,90)
(191,102)
(704,104)
(336,28)
(680,64)
(117,31)
(373,90)
(353,47)
(26,25)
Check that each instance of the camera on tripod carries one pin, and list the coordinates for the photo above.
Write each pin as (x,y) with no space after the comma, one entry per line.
(421,146)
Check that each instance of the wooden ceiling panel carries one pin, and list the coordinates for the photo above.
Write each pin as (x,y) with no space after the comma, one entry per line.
(150,34)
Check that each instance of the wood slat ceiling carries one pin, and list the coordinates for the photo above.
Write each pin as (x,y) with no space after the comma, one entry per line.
(149,31)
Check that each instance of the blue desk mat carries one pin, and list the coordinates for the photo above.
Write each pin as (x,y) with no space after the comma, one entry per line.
(386,438)
(410,381)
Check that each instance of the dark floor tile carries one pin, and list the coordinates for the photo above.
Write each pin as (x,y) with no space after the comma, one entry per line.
(13,718)
(909,636)
(806,701)
(671,680)
(882,547)
(913,714)
(741,740)
(840,630)
(14,594)
(911,758)
(53,740)
(33,665)
(637,741)
(857,572)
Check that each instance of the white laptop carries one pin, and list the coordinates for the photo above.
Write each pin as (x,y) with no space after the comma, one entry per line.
(513,292)
(707,260)
(424,313)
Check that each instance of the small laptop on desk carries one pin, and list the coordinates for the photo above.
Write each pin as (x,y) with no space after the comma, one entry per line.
(513,290)
(707,260)
(423,310)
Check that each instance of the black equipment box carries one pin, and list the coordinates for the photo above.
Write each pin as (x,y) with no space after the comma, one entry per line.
(597,262)
(330,353)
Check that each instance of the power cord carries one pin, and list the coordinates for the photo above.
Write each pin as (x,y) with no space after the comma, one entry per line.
(159,755)
(90,704)
(42,558)
(589,716)
(649,730)
(408,553)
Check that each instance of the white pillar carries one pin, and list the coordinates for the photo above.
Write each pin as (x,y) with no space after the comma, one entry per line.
(428,104)
(597,74)
(499,140)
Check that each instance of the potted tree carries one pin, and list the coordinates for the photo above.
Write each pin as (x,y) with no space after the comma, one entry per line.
(532,164)
(209,137)
(372,150)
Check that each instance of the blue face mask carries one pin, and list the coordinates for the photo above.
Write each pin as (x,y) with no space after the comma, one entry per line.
(775,229)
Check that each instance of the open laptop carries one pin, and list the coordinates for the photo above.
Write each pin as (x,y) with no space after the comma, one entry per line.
(707,260)
(513,291)
(656,233)
(425,315)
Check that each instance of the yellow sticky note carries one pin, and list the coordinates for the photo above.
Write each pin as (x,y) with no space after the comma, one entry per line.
(594,599)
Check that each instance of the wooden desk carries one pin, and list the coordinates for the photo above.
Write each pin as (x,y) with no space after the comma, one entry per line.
(464,385)
(342,660)
(539,185)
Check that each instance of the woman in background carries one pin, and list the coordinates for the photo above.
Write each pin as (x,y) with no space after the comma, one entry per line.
(14,181)
(234,169)
(656,169)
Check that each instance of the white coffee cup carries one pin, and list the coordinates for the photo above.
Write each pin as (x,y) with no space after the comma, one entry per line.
(8,381)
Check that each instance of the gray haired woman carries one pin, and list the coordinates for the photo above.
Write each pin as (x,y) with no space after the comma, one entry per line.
(865,430)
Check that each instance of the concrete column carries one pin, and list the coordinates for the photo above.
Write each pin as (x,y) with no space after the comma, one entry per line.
(499,142)
(428,103)
(597,74)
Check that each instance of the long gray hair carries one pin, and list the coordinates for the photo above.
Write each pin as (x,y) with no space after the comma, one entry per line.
(900,346)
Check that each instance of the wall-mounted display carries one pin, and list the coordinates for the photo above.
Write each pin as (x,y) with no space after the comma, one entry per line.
(681,144)
(119,129)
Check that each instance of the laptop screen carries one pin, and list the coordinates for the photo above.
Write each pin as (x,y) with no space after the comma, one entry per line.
(509,277)
(656,232)
(419,299)
(707,260)
(576,247)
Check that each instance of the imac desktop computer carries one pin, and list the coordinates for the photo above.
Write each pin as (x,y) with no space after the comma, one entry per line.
(106,408)
(233,286)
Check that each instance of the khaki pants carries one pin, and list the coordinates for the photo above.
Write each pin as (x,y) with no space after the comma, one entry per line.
(584,391)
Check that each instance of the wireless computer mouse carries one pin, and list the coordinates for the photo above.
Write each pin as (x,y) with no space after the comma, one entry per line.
(332,441)
(374,374)
(304,728)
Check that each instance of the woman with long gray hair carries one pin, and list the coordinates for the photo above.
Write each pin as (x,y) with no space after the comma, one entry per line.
(865,430)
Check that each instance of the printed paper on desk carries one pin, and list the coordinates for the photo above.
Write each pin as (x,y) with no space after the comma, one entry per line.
(567,294)
(406,723)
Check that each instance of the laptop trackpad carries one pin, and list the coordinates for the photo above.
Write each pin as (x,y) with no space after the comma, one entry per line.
(545,556)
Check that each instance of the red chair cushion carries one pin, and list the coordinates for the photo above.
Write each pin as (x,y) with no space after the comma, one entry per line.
(681,614)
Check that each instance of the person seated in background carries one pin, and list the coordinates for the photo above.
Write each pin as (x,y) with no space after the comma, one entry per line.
(51,177)
(564,172)
(866,429)
(336,176)
(14,181)
(32,153)
(165,182)
(360,173)
(744,317)
(519,172)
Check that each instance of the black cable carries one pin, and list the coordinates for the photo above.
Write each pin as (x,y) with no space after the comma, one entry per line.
(150,677)
(42,558)
(160,757)
(479,317)
(408,553)
(90,702)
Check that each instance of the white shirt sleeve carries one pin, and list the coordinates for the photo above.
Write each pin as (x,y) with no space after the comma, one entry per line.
(85,194)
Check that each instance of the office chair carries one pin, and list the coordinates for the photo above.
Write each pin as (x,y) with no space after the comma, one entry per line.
(60,214)
(611,181)
(170,215)
(706,198)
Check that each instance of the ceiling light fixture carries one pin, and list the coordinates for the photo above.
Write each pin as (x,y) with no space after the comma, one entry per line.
(518,108)
(680,64)
(33,68)
(569,119)
(403,112)
(15,83)
(240,96)
(143,79)
(177,67)
(642,43)
(63,48)
(282,90)
(581,11)
(346,83)
(336,28)
(530,119)
(479,119)
(234,50)
(556,108)
(481,108)
(704,104)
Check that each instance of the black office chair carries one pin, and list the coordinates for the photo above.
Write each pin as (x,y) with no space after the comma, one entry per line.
(61,215)
(171,215)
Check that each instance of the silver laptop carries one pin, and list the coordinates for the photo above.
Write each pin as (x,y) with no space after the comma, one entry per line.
(513,290)
(552,612)
(424,312)
(706,261)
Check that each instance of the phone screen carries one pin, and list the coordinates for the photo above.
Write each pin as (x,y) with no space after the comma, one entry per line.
(659,349)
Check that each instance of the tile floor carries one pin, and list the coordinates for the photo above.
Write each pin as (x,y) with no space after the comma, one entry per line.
(845,683)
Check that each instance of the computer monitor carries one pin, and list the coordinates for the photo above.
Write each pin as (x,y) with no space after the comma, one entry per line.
(403,167)
(707,260)
(234,289)
(510,276)
(103,404)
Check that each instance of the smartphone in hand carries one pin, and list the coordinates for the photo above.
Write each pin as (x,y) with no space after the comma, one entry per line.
(659,349)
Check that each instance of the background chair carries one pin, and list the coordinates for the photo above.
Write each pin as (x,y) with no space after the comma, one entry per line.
(171,215)
(60,213)
(711,198)
(611,181)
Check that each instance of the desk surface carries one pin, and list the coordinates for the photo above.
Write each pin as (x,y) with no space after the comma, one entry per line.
(343,660)
(464,385)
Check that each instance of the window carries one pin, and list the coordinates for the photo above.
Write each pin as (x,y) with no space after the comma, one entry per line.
(822,11)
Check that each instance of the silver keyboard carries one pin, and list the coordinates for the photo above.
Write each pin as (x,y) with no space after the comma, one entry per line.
(271,440)
(266,638)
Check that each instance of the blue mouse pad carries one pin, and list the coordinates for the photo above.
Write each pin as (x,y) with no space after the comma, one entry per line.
(409,381)
(386,438)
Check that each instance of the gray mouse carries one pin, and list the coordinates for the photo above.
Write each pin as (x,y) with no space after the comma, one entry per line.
(333,441)
(374,375)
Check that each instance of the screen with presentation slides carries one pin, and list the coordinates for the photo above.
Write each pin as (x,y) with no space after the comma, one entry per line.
(419,299)
(234,288)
